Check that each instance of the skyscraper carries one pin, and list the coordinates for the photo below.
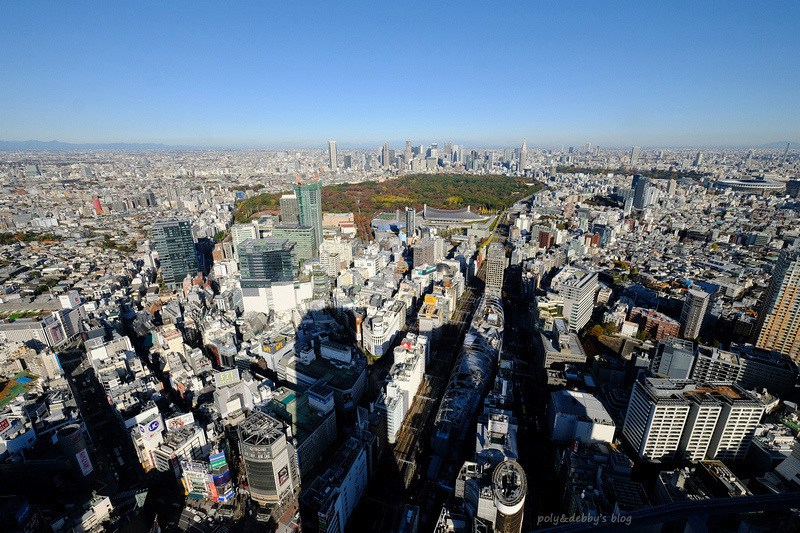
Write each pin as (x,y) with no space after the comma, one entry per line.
(778,326)
(695,309)
(634,155)
(333,161)
(698,160)
(523,155)
(578,288)
(240,233)
(641,185)
(175,247)
(309,196)
(290,209)
(265,261)
(267,280)
(682,419)
(495,265)
(411,221)
(385,156)
(408,155)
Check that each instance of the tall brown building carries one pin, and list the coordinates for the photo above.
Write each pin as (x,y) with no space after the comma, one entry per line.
(778,326)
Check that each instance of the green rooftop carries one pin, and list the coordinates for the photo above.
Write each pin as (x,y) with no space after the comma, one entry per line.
(19,384)
(295,411)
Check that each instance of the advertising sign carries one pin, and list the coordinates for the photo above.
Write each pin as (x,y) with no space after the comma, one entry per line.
(217,460)
(226,378)
(84,462)
(180,421)
(283,475)
(4,424)
(152,428)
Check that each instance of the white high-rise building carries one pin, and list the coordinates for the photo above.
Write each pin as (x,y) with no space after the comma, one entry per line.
(681,419)
(495,266)
(333,158)
(695,309)
(656,415)
(634,155)
(578,288)
(240,233)
(405,379)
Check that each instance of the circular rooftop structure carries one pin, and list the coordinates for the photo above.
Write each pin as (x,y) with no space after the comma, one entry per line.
(509,485)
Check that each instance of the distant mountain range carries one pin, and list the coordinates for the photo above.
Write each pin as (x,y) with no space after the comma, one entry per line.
(779,144)
(58,146)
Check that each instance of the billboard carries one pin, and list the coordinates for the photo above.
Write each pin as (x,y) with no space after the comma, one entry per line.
(148,430)
(228,377)
(283,475)
(179,421)
(5,424)
(217,460)
(84,462)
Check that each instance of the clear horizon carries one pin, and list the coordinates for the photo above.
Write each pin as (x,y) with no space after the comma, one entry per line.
(710,75)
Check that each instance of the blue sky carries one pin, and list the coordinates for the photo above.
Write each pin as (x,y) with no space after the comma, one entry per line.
(296,74)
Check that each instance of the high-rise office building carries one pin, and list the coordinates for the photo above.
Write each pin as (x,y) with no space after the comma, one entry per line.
(495,265)
(385,161)
(265,261)
(778,326)
(290,209)
(411,221)
(698,159)
(240,233)
(305,247)
(523,155)
(333,158)
(270,459)
(348,162)
(175,247)
(634,155)
(408,154)
(309,196)
(578,288)
(695,309)
(641,187)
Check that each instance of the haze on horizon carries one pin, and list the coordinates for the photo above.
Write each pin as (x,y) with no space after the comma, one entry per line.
(299,74)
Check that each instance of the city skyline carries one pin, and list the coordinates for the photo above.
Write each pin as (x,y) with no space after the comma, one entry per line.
(259,76)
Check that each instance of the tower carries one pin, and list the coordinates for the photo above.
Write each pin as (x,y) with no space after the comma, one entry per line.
(523,155)
(309,196)
(385,155)
(240,233)
(290,209)
(640,187)
(495,266)
(695,309)
(778,326)
(411,221)
(333,162)
(634,156)
(175,247)
(408,155)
